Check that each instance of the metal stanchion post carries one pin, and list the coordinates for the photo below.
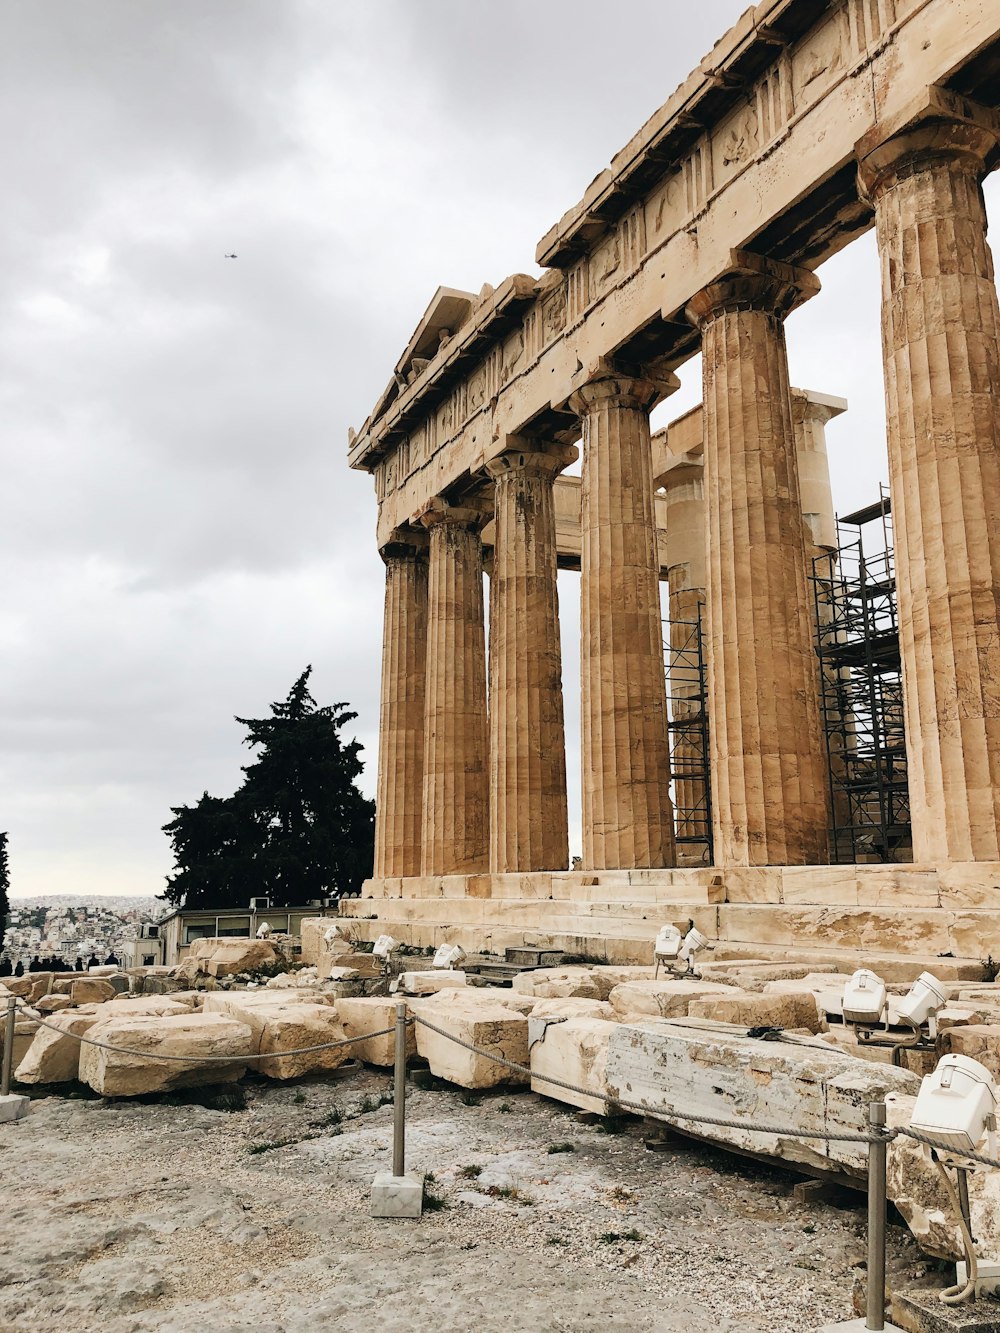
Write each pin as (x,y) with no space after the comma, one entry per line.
(877,1151)
(8,1047)
(399,1094)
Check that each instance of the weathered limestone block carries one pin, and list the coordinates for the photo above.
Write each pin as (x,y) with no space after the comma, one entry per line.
(51,1004)
(92,990)
(573,1008)
(54,1053)
(664,999)
(475,997)
(558,983)
(144,1004)
(224,1001)
(494,1029)
(147,1038)
(574,1052)
(753,976)
(661,1065)
(373,1013)
(279,1027)
(827,987)
(19,986)
(429,983)
(233,956)
(842,1038)
(779,1011)
(981,1042)
(25,1028)
(606,977)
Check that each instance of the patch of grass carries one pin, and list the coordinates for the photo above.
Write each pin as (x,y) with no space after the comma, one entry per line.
(809,1229)
(430,1178)
(566,1146)
(434,1203)
(622,1195)
(471,1172)
(505,1108)
(266,1145)
(468,1098)
(299,1098)
(330,1118)
(556,1240)
(614,1237)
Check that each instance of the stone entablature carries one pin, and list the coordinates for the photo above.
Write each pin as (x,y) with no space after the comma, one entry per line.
(755,149)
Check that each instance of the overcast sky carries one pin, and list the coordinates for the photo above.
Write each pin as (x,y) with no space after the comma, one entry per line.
(180,533)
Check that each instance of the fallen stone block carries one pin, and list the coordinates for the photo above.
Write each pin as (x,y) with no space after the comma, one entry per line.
(365,1014)
(224,1001)
(54,1053)
(916,1061)
(573,1008)
(140,1067)
(751,1011)
(429,983)
(664,1067)
(91,990)
(558,983)
(231,956)
(575,1052)
(145,1004)
(51,1004)
(980,1041)
(278,1027)
(475,998)
(752,975)
(495,1030)
(607,976)
(665,998)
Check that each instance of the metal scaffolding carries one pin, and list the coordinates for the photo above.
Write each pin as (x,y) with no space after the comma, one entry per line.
(857,640)
(687,702)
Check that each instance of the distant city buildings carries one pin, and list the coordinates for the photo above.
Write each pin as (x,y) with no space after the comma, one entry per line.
(71,927)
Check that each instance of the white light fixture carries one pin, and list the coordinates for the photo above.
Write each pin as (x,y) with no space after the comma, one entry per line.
(449,956)
(384,946)
(263,930)
(332,936)
(957,1104)
(920,1005)
(865,999)
(694,942)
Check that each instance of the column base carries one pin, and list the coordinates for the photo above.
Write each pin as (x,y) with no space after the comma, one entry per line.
(397,1196)
(13,1107)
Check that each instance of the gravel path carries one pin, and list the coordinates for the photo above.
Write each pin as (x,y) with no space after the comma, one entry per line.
(178,1218)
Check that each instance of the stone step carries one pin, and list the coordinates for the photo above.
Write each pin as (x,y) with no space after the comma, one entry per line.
(933,931)
(951,944)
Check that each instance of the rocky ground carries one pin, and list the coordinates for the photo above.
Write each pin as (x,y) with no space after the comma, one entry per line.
(173,1216)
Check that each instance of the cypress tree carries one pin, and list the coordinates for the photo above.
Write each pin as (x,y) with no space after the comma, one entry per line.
(298,828)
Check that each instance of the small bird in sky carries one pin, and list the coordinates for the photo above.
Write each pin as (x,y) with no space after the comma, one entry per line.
(230,256)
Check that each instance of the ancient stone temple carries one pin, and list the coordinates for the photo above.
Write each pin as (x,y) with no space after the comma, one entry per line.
(808,124)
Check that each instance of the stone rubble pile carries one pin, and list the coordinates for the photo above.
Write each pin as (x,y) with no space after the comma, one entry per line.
(615,1034)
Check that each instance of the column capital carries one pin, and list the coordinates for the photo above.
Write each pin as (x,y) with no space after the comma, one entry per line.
(810,406)
(437,512)
(533,457)
(404,542)
(752,282)
(941,125)
(606,383)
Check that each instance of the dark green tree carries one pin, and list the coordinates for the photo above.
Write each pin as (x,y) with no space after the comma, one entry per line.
(298,828)
(4,886)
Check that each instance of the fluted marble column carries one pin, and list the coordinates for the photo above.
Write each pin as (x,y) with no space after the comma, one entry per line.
(769,786)
(941,345)
(401,716)
(627,814)
(684,490)
(528,819)
(456,800)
